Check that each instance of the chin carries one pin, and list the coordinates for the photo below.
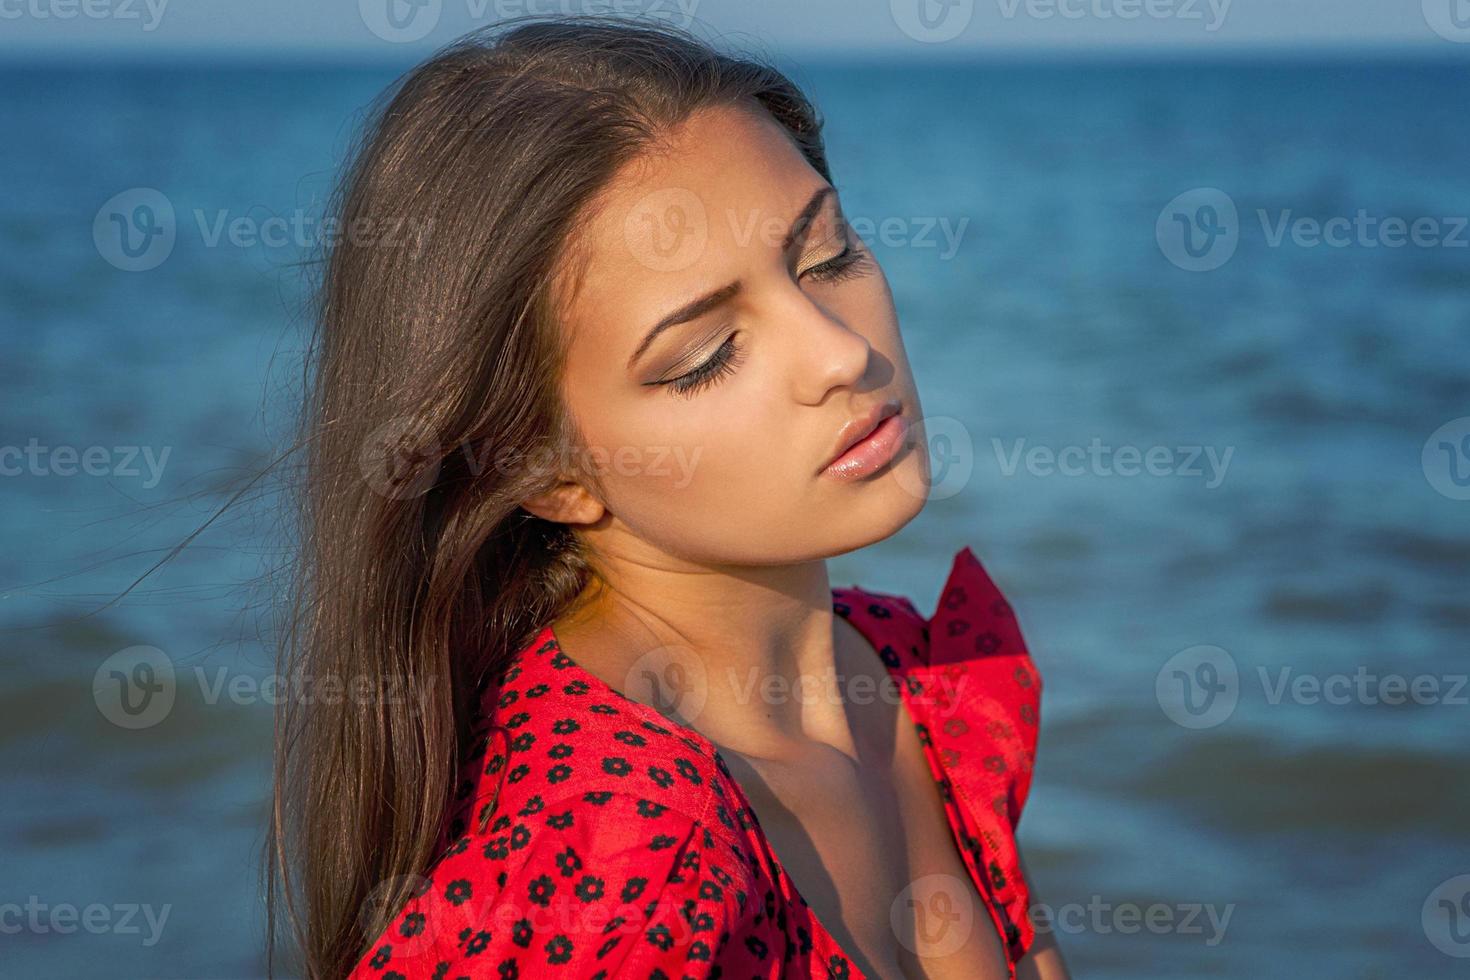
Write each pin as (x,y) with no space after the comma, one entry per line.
(886,501)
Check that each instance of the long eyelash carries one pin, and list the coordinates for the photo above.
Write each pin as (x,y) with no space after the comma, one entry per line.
(848,264)
(723,362)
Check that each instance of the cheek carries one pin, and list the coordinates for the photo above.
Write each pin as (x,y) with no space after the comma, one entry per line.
(703,469)
(687,454)
(653,448)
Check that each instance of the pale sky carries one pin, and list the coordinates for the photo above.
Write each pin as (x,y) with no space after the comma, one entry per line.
(400,30)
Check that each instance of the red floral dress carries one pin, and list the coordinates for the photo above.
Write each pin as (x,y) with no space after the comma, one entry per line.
(595,838)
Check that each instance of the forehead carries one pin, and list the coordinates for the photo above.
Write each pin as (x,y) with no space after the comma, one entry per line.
(681,218)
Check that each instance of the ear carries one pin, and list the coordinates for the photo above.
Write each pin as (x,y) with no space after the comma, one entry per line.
(565,503)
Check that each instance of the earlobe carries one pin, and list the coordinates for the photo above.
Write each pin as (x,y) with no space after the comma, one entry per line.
(566,503)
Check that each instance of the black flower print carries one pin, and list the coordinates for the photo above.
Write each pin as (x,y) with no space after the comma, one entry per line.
(637,822)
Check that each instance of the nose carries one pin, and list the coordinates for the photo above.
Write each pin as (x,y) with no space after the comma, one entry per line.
(826,353)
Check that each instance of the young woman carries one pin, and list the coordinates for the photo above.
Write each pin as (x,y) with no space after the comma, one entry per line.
(580,447)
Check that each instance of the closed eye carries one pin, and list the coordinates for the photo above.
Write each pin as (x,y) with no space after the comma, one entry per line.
(720,364)
(847,264)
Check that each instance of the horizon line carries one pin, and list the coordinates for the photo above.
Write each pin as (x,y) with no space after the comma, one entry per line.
(368,56)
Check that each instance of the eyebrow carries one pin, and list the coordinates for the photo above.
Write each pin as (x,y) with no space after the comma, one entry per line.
(724,294)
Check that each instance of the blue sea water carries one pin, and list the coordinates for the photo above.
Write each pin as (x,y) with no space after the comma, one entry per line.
(1310,533)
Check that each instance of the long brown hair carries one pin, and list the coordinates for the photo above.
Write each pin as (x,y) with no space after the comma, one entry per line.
(432,386)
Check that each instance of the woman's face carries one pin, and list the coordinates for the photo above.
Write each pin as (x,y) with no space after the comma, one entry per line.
(711,435)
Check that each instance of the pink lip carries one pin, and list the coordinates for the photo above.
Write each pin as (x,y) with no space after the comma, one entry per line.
(871,452)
